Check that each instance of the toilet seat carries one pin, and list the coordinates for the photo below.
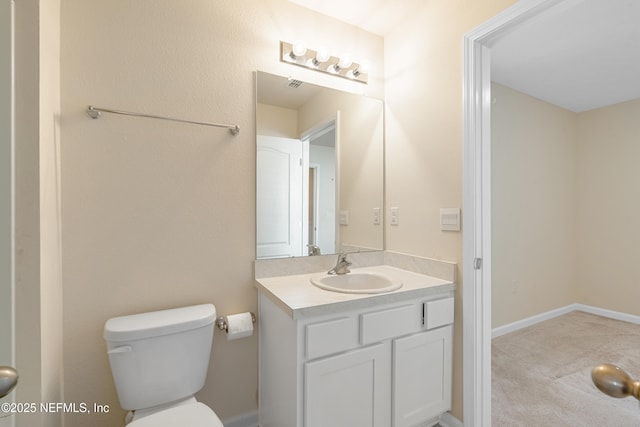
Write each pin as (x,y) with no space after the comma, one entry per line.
(192,415)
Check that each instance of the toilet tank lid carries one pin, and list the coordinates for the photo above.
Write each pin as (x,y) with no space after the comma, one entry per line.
(157,323)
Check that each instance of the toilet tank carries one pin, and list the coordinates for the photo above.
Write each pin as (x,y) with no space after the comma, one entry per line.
(161,356)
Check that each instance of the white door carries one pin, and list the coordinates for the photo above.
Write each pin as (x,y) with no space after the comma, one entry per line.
(279,201)
(6,193)
(352,389)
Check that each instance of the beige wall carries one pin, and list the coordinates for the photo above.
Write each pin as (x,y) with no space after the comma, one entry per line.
(565,222)
(156,214)
(136,240)
(533,172)
(423,92)
(276,121)
(609,207)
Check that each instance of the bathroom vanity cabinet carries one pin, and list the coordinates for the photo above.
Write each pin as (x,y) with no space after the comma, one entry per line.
(379,361)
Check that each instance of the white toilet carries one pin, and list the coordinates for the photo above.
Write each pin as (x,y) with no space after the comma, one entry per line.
(159,360)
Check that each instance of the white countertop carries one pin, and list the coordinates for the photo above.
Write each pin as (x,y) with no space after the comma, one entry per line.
(299,298)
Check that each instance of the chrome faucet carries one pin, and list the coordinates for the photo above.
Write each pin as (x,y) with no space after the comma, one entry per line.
(342,266)
(314,250)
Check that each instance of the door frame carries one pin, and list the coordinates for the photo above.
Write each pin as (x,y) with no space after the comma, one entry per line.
(7,195)
(476,245)
(7,180)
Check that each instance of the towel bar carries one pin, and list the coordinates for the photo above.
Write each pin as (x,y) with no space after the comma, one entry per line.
(94,113)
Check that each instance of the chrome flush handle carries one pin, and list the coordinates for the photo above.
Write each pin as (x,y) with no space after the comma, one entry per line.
(8,380)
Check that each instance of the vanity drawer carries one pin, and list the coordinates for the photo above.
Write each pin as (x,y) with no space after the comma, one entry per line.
(332,336)
(438,313)
(394,322)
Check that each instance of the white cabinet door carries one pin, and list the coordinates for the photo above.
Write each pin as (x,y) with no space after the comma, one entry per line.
(422,376)
(349,390)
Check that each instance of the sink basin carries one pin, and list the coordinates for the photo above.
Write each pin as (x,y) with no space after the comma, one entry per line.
(357,283)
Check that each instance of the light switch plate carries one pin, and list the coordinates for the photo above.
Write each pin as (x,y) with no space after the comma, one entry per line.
(450,219)
(376,216)
(395,216)
(344,217)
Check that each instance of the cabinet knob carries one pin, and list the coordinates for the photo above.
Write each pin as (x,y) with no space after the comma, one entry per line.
(614,381)
(8,380)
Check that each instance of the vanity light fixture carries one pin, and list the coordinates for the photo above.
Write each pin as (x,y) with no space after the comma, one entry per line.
(297,53)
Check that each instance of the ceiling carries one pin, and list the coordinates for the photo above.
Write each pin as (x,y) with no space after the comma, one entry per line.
(277,90)
(376,16)
(579,54)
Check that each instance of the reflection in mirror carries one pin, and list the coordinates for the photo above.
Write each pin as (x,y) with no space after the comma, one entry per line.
(319,169)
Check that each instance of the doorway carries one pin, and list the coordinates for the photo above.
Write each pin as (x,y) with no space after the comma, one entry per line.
(321,197)
(484,47)
(477,204)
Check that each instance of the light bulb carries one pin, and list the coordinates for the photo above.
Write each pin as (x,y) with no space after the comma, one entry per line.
(299,48)
(323,54)
(364,67)
(345,61)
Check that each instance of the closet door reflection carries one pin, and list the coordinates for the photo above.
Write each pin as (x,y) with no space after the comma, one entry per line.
(279,197)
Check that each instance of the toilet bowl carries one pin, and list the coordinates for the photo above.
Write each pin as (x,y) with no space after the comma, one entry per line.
(159,360)
(192,415)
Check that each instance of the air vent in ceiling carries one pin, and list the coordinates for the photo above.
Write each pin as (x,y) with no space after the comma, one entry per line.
(293,83)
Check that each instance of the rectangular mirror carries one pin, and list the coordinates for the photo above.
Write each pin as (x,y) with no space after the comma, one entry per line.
(319,169)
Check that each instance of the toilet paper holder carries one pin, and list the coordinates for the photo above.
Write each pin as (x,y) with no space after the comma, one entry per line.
(223,325)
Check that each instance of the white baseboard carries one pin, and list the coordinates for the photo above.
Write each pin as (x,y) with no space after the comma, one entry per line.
(249,419)
(529,321)
(448,420)
(616,315)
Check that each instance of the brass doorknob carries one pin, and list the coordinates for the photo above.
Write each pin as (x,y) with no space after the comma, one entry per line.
(8,380)
(614,381)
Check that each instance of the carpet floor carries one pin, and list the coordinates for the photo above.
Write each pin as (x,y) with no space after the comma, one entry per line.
(541,375)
